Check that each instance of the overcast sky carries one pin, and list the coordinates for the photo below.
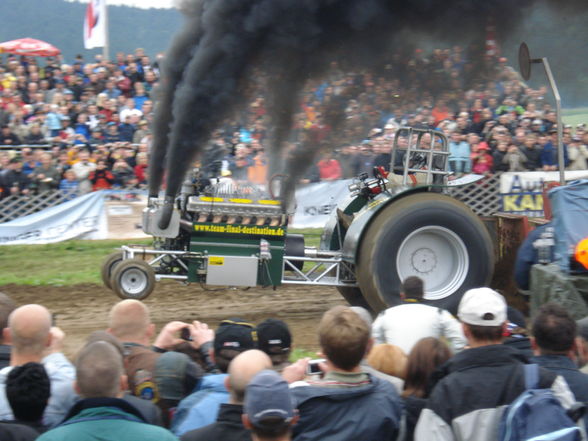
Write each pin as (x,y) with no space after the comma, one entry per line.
(138,3)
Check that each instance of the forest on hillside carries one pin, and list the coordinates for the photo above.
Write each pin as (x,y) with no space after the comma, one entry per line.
(563,39)
(61,24)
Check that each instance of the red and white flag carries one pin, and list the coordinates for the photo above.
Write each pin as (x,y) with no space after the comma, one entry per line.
(95,24)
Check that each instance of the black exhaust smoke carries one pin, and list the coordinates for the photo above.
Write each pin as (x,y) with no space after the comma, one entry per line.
(291,40)
(177,57)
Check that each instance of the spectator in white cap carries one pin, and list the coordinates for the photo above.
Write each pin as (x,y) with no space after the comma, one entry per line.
(476,385)
(268,411)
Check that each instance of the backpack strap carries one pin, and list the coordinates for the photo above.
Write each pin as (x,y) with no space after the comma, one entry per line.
(531,376)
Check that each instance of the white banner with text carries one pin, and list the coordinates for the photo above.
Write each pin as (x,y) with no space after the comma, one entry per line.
(81,218)
(316,202)
(117,215)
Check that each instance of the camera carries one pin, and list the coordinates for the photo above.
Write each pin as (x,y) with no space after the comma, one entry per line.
(185,334)
(313,367)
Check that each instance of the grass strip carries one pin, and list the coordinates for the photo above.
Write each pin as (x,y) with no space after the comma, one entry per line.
(73,261)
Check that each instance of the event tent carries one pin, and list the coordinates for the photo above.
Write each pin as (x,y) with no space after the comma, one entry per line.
(29,47)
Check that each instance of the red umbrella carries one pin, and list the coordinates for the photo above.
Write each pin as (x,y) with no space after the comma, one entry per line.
(29,47)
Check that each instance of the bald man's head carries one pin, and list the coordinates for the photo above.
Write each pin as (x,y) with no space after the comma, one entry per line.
(129,321)
(99,371)
(28,329)
(242,369)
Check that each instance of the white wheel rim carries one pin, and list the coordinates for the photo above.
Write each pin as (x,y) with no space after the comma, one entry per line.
(133,281)
(438,256)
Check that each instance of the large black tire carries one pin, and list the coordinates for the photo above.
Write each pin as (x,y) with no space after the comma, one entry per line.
(108,266)
(354,297)
(428,235)
(133,279)
(294,246)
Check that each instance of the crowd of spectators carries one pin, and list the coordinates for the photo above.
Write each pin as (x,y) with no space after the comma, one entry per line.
(238,383)
(86,125)
(77,127)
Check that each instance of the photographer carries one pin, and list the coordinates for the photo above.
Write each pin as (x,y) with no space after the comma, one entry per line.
(347,403)
(130,322)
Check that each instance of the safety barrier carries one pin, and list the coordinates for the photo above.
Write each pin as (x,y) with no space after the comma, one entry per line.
(13,207)
(483,198)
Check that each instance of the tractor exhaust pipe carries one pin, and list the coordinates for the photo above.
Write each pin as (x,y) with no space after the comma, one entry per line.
(166,212)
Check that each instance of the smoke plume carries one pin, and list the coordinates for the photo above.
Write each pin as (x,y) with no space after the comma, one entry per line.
(210,62)
(178,55)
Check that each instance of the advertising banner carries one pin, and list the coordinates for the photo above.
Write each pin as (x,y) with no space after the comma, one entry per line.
(521,192)
(112,214)
(316,202)
(81,218)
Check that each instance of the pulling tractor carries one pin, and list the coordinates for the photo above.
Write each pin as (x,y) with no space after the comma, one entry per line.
(392,226)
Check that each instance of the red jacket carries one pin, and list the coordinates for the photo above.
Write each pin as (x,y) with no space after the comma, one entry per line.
(329,169)
(101,179)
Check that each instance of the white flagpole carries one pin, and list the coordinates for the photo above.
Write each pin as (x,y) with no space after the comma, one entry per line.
(105,54)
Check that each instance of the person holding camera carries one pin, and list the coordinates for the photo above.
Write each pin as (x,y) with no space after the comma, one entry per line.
(130,322)
(346,403)
(201,408)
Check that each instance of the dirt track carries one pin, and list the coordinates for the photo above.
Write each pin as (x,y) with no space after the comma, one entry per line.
(82,309)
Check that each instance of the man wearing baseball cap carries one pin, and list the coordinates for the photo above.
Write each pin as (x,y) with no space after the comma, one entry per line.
(268,411)
(477,384)
(229,425)
(275,339)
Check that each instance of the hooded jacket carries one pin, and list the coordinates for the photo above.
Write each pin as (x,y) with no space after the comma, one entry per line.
(472,391)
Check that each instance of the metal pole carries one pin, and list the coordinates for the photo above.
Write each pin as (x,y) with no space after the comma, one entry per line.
(560,151)
(105,54)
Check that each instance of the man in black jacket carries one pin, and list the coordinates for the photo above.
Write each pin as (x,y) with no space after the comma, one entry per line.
(478,383)
(229,425)
(268,409)
(532,150)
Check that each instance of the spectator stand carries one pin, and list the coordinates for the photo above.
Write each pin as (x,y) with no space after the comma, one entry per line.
(497,122)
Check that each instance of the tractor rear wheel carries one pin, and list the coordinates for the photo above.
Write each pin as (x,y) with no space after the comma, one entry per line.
(428,235)
(133,279)
(354,297)
(108,265)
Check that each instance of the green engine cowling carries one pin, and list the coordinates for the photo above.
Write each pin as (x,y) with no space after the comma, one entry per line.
(242,239)
(236,254)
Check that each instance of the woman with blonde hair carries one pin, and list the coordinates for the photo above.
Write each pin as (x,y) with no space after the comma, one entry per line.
(389,359)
